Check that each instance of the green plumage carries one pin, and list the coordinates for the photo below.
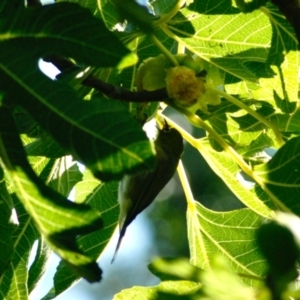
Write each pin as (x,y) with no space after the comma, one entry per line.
(136,192)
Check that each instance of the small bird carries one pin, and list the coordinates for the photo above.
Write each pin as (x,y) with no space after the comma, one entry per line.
(136,192)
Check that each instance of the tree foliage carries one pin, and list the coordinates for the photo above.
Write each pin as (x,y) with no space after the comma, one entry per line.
(230,67)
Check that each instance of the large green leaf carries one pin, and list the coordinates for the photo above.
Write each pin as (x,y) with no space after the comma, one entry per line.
(224,36)
(65,29)
(94,137)
(229,234)
(103,197)
(58,219)
(100,133)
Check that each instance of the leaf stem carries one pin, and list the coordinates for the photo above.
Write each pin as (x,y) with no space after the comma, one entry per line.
(163,49)
(252,112)
(186,187)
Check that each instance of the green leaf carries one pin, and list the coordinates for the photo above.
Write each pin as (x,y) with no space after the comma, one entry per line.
(106,10)
(13,283)
(165,290)
(228,234)
(228,170)
(175,269)
(39,265)
(221,283)
(136,13)
(217,39)
(163,7)
(45,146)
(69,116)
(103,197)
(101,134)
(240,132)
(284,61)
(281,90)
(287,122)
(58,219)
(283,35)
(59,35)
(280,176)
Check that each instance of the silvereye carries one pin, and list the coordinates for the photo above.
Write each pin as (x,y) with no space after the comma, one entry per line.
(136,192)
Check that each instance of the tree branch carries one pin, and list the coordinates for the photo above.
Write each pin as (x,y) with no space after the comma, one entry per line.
(111,91)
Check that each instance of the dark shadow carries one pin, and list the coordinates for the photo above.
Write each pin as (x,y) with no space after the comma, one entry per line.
(214,7)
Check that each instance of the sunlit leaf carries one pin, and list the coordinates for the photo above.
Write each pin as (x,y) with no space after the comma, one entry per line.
(66,176)
(165,290)
(225,36)
(175,269)
(221,283)
(229,234)
(227,169)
